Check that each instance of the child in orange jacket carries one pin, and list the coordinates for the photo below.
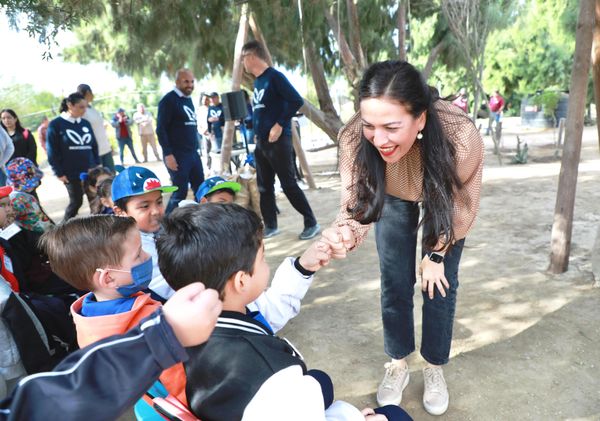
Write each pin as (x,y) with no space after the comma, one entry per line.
(103,254)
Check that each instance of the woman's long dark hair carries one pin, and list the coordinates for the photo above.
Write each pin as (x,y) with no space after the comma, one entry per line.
(18,127)
(72,99)
(401,82)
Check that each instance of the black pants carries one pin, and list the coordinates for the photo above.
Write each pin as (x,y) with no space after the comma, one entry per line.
(276,159)
(75,191)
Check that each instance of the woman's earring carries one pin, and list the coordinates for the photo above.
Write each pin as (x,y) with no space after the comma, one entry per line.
(419,135)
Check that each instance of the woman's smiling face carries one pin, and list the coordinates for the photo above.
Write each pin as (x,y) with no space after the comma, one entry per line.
(389,126)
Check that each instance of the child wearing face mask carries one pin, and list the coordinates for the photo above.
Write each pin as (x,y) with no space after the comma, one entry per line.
(103,254)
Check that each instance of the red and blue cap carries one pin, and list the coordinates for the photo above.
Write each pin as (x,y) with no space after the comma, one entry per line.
(134,181)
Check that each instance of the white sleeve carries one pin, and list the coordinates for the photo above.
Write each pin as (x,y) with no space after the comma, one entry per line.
(7,147)
(281,301)
(290,395)
(158,284)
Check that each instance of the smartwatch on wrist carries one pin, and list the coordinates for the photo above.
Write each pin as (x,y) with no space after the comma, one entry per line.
(436,257)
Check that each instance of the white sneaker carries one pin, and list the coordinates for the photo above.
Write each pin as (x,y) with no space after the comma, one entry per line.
(435,395)
(394,382)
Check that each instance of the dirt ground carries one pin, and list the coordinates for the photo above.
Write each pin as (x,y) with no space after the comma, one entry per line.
(526,343)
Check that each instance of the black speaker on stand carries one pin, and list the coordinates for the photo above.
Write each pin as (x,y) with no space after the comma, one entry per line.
(234,105)
(234,109)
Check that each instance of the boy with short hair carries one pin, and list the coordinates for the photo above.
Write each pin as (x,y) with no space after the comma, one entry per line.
(244,371)
(103,254)
(137,192)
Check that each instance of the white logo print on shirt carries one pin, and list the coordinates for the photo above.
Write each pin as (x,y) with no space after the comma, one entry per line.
(215,113)
(77,139)
(191,114)
(257,97)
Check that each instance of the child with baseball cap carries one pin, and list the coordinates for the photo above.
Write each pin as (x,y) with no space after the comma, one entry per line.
(137,192)
(214,190)
(217,190)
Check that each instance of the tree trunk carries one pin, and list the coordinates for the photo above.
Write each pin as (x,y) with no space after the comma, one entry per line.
(302,157)
(435,51)
(567,182)
(354,30)
(315,66)
(259,37)
(402,30)
(596,67)
(329,125)
(348,59)
(236,80)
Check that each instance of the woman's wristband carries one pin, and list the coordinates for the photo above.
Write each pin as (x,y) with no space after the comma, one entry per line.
(302,269)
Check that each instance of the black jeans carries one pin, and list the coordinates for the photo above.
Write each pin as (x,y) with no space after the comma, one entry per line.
(75,191)
(189,173)
(276,159)
(396,238)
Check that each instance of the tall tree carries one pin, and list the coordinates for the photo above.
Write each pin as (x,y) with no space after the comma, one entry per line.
(596,65)
(471,22)
(567,182)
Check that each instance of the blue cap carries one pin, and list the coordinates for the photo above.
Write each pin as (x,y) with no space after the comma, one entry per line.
(134,181)
(213,184)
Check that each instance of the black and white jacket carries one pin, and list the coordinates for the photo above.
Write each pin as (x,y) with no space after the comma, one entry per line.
(244,372)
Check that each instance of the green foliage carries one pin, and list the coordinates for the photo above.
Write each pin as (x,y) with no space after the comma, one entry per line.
(536,51)
(522,155)
(146,38)
(29,105)
(43,19)
(548,100)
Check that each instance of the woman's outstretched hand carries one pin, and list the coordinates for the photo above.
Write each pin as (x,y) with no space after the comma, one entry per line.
(340,239)
(432,276)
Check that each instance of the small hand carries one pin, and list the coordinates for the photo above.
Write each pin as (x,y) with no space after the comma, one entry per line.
(432,276)
(171,162)
(370,415)
(316,256)
(64,179)
(275,133)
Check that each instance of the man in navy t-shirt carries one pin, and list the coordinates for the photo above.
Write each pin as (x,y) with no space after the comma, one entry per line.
(275,101)
(177,133)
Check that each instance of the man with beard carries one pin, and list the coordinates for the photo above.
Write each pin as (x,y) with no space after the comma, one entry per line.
(178,136)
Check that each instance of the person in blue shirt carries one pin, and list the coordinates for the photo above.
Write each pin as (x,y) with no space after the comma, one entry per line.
(275,103)
(177,133)
(72,148)
(216,120)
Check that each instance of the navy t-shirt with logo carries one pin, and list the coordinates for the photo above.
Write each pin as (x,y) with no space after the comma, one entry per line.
(216,127)
(176,125)
(274,101)
(71,147)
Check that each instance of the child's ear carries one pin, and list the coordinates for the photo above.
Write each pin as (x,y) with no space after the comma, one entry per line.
(103,279)
(118,211)
(239,282)
(204,200)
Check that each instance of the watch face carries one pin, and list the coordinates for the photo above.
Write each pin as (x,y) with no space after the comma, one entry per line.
(436,258)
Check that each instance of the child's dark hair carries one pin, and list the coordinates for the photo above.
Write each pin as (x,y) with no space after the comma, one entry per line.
(122,202)
(231,192)
(103,191)
(208,243)
(78,247)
